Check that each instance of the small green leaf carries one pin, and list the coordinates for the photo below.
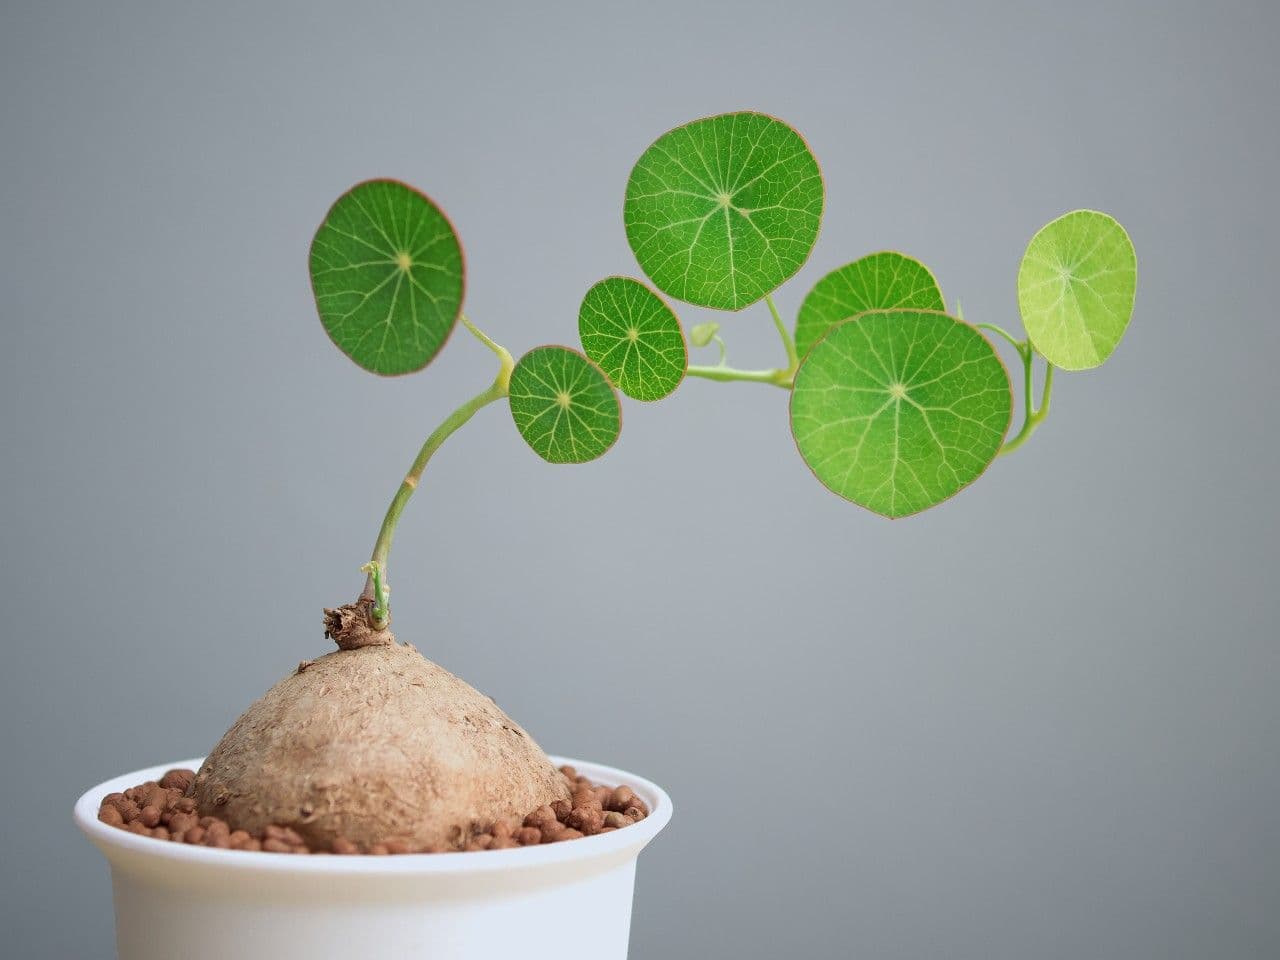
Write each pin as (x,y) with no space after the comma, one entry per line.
(1076,287)
(563,406)
(634,336)
(722,211)
(897,410)
(387,272)
(881,281)
(702,334)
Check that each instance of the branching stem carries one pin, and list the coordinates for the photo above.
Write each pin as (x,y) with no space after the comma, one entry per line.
(782,377)
(382,546)
(1032,416)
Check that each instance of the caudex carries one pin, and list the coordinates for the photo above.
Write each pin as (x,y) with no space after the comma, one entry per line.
(895,405)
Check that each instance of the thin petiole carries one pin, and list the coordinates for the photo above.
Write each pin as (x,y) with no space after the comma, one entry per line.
(788,342)
(1046,393)
(1033,416)
(1019,345)
(507,363)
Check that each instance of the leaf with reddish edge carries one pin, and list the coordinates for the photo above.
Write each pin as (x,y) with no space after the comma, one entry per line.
(388,275)
(634,336)
(879,281)
(898,410)
(563,405)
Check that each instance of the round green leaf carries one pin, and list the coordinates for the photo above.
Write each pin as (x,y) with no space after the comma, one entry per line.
(881,281)
(563,406)
(634,336)
(1076,287)
(897,410)
(387,272)
(722,211)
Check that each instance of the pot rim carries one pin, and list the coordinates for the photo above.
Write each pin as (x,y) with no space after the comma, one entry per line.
(112,840)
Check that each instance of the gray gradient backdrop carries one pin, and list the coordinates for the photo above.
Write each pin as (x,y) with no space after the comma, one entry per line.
(1038,722)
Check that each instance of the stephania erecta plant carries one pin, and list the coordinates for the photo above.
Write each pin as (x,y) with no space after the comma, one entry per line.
(896,404)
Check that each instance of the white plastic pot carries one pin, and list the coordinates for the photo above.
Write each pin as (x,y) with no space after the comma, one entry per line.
(557,901)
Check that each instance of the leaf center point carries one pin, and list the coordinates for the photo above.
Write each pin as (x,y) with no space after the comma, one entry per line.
(898,391)
(404,261)
(563,400)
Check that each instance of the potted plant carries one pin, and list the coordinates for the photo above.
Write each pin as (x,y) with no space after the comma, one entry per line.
(435,825)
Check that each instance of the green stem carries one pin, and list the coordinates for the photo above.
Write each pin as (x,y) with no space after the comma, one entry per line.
(719,342)
(779,378)
(1034,416)
(788,342)
(382,546)
(783,377)
(1018,345)
(381,613)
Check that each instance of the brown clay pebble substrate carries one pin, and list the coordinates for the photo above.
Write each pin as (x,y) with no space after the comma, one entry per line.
(166,811)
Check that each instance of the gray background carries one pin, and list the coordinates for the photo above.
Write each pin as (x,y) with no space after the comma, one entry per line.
(1040,721)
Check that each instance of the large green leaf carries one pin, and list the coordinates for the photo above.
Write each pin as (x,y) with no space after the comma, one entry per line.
(1076,287)
(634,336)
(897,410)
(387,272)
(722,211)
(563,406)
(880,281)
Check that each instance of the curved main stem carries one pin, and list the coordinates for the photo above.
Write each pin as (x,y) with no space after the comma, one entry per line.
(382,546)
